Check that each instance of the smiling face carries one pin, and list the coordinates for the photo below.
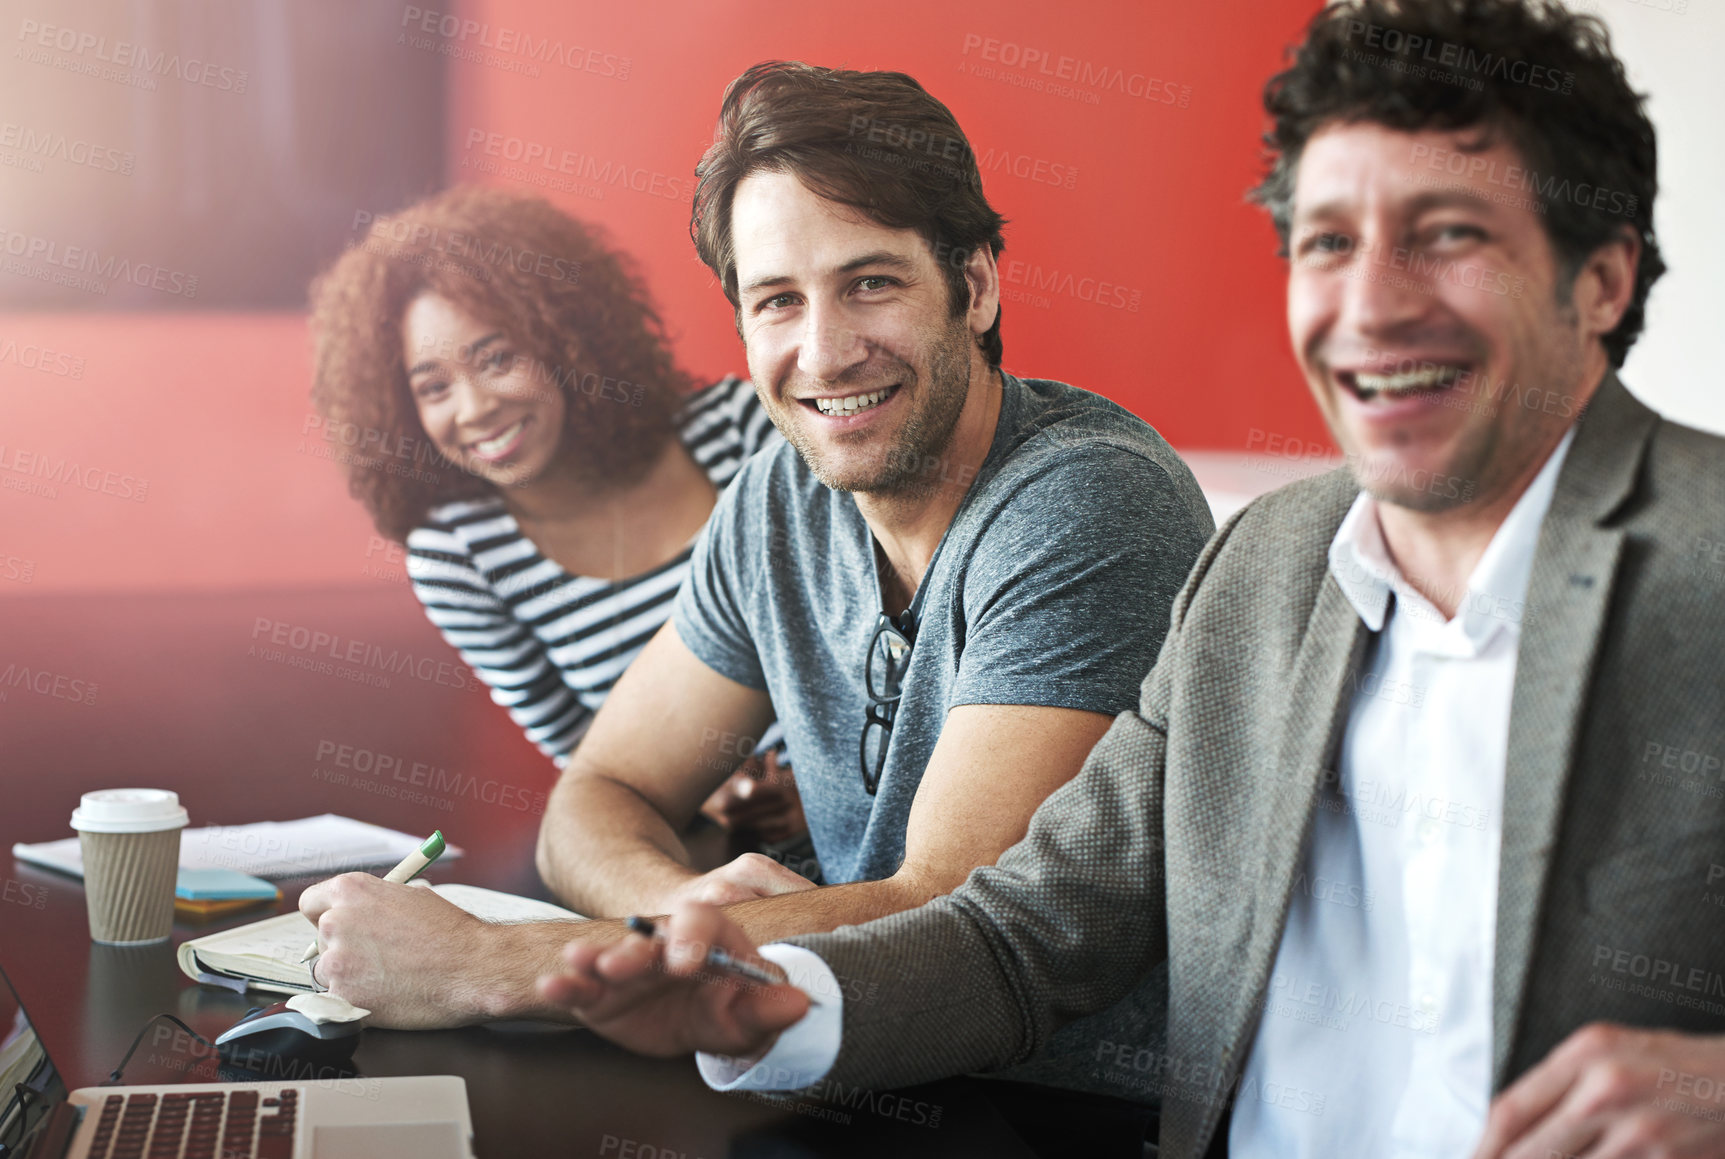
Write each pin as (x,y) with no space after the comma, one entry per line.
(476,397)
(851,340)
(1424,310)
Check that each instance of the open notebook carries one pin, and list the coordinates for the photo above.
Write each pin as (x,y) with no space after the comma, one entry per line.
(266,955)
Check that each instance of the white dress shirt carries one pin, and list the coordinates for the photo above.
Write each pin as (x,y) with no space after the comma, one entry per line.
(1375,1037)
(805,1050)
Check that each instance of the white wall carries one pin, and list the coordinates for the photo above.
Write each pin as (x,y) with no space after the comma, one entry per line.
(1671,49)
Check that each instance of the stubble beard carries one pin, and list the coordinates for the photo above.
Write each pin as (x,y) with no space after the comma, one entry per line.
(1489,457)
(910,465)
(1446,487)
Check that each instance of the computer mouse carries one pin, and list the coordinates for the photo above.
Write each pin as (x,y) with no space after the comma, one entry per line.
(280,1039)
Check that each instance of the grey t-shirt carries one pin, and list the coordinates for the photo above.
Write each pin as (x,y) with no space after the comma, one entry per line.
(1051,587)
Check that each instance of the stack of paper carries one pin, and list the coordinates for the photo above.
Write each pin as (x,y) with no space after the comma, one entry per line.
(311,847)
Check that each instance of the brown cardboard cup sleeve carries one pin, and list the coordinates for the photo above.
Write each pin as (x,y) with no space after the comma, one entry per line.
(130,839)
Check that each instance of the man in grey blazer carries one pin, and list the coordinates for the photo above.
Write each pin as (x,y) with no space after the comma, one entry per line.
(1422,804)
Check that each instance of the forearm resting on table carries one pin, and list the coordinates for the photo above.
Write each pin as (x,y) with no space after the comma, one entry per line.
(809,911)
(515,957)
(815,911)
(604,849)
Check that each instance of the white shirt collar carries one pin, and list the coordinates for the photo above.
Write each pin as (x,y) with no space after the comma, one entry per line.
(1360,562)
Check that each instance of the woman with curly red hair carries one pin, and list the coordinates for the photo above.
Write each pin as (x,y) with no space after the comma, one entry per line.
(514,417)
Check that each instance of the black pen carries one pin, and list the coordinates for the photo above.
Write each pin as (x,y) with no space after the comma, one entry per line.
(717,959)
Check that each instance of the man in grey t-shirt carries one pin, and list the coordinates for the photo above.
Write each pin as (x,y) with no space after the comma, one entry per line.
(1036,534)
(1050,587)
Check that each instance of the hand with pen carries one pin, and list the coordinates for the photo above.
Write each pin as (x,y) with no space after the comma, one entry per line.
(689,982)
(414,959)
(405,871)
(417,961)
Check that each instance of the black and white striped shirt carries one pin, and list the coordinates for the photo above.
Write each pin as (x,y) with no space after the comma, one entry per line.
(551,644)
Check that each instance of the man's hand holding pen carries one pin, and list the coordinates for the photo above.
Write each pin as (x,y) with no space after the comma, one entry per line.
(415,959)
(695,983)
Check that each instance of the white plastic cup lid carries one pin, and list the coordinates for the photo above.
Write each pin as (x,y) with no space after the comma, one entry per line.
(129,811)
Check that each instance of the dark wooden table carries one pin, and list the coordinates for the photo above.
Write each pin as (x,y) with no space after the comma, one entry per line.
(272,706)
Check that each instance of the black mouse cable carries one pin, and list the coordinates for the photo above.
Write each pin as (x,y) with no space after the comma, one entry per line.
(113,1078)
(23,1096)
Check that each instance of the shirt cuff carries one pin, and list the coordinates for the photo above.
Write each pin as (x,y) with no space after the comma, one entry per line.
(805,1050)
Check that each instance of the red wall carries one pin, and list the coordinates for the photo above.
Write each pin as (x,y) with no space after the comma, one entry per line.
(210,410)
(174,452)
(1157,207)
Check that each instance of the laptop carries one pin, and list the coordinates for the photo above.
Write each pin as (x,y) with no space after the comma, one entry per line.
(359,1118)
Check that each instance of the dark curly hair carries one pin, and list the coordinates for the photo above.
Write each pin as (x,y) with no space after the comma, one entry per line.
(570,304)
(1542,75)
(875,141)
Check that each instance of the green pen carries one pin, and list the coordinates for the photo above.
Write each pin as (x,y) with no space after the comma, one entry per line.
(411,867)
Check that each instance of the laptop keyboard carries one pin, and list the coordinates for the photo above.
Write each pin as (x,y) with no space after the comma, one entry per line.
(236,1124)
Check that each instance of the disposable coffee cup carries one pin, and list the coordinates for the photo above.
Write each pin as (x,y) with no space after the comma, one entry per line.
(130,840)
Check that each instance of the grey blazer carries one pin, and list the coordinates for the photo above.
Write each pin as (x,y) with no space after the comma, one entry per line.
(1180,840)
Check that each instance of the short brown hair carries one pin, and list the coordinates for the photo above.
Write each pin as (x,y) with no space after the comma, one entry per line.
(571,305)
(875,141)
